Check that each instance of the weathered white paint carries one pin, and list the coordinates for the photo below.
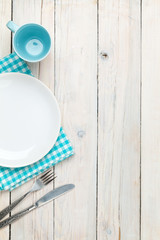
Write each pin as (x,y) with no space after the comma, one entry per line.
(44,217)
(119,120)
(150,120)
(46,72)
(75,84)
(75,89)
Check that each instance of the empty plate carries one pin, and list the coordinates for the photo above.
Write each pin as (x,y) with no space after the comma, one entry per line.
(29,120)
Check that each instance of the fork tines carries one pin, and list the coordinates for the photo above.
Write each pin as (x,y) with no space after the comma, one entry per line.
(48,177)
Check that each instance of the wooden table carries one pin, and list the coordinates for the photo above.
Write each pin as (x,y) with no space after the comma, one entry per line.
(104,69)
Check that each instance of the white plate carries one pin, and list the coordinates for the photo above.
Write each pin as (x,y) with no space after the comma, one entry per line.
(29,120)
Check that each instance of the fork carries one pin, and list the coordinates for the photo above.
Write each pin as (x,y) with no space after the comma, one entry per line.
(42,181)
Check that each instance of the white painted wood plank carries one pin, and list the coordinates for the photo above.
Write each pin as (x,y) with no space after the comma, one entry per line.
(5,48)
(150,120)
(46,73)
(119,120)
(75,88)
(5,36)
(43,217)
(37,225)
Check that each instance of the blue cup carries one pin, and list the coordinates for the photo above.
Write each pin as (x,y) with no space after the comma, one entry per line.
(31,41)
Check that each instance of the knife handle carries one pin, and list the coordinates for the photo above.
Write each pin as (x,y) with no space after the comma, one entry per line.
(8,209)
(16,216)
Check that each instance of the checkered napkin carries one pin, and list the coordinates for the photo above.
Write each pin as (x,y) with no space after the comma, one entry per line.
(11,178)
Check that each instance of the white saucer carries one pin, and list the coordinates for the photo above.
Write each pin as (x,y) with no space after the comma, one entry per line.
(29,120)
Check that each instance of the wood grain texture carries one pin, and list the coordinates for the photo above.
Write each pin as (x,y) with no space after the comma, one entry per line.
(119,120)
(46,72)
(150,120)
(5,36)
(5,48)
(70,71)
(44,217)
(75,89)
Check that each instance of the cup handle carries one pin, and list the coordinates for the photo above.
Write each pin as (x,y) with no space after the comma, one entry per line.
(12,26)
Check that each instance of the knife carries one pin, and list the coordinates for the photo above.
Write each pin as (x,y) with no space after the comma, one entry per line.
(45,199)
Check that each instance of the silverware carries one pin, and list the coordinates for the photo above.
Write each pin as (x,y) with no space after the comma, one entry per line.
(42,181)
(45,199)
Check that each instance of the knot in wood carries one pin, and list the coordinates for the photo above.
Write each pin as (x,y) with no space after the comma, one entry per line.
(104,55)
(81,133)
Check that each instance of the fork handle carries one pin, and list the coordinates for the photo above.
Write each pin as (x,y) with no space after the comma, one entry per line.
(16,216)
(8,209)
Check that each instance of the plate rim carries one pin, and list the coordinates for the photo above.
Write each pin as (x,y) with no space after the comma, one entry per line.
(59,116)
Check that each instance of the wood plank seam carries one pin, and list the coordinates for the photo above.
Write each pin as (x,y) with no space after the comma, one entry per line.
(97,118)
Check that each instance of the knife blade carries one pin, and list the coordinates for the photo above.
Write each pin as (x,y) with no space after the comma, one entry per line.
(54,194)
(43,200)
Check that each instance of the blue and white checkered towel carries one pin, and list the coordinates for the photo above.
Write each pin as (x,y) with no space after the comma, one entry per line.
(11,178)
